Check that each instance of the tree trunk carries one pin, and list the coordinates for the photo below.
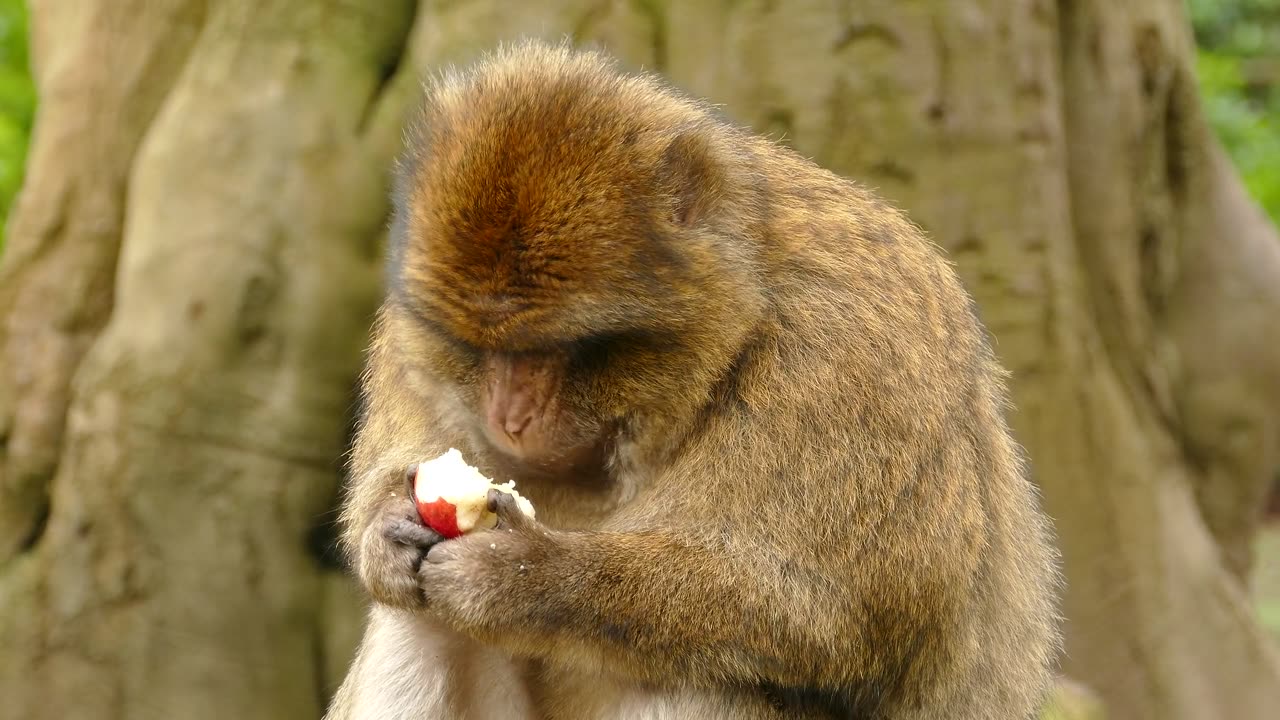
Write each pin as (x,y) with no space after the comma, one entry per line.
(240,151)
(1056,150)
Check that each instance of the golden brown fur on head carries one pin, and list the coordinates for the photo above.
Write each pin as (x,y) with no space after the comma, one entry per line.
(526,174)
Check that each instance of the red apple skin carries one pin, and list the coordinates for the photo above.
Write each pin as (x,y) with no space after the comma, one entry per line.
(440,515)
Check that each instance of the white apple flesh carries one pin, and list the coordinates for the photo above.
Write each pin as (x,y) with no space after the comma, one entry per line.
(453,497)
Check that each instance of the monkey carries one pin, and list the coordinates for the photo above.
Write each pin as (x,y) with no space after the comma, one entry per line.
(756,411)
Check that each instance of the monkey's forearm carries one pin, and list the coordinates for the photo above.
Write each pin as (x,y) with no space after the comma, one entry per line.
(396,432)
(661,610)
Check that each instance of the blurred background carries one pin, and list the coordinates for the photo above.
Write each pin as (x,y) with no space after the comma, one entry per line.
(195,202)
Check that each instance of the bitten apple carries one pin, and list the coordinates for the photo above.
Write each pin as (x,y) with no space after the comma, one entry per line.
(453,497)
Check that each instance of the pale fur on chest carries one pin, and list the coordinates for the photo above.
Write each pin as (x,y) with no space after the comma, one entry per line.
(410,668)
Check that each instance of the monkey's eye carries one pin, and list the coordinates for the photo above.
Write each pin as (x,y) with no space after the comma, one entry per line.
(459,347)
(462,348)
(594,351)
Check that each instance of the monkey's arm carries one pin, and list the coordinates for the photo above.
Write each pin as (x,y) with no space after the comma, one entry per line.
(397,430)
(648,604)
(656,606)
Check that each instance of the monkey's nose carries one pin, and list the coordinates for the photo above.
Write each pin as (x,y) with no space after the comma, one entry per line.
(515,423)
(511,415)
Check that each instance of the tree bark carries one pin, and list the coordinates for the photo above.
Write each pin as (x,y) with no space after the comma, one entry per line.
(191,422)
(241,153)
(100,82)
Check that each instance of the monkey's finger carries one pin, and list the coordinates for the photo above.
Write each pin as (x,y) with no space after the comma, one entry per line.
(410,477)
(443,552)
(508,511)
(404,531)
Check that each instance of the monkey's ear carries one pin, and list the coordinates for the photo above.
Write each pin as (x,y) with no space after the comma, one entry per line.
(691,177)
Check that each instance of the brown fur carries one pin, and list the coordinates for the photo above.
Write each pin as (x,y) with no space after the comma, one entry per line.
(801,500)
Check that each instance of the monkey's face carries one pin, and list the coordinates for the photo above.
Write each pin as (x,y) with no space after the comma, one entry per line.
(544,321)
(552,407)
(532,405)
(546,364)
(564,266)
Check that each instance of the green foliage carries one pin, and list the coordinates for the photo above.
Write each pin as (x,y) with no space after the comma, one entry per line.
(1239,71)
(1238,27)
(1250,129)
(17,102)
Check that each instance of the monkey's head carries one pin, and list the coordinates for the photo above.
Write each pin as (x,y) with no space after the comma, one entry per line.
(564,248)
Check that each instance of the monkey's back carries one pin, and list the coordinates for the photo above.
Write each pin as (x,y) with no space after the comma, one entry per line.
(874,329)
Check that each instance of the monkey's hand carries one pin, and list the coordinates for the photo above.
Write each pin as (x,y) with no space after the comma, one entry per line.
(470,580)
(392,548)
(651,605)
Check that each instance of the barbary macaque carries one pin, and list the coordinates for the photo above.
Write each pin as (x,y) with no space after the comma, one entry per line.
(752,405)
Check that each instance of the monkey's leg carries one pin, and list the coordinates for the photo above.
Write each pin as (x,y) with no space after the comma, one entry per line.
(600,696)
(410,668)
